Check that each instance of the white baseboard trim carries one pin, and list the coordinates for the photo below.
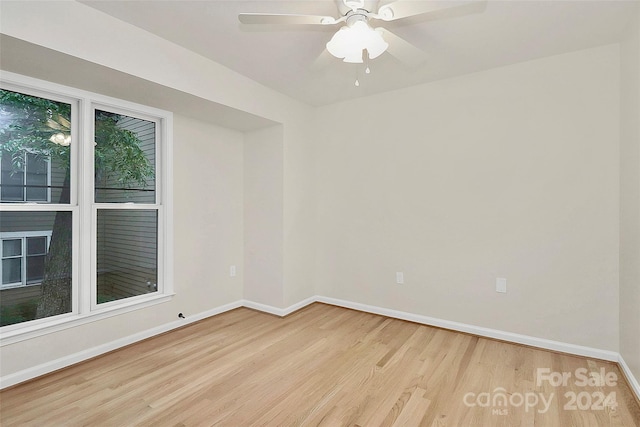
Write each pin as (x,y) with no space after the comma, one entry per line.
(45,368)
(279,311)
(631,379)
(477,330)
(63,362)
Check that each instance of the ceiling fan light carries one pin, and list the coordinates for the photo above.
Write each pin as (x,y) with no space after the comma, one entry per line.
(349,42)
(337,46)
(376,45)
(354,58)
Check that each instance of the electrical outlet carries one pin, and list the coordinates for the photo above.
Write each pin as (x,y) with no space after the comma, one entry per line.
(232,271)
(501,285)
(399,278)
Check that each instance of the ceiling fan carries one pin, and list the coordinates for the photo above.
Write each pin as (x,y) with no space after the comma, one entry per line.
(357,41)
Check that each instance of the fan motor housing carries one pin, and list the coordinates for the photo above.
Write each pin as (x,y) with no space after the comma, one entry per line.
(355,16)
(368,5)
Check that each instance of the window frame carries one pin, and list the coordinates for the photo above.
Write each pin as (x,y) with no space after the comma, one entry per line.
(156,206)
(22,235)
(84,209)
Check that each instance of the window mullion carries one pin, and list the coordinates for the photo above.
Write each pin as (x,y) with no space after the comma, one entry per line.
(24,177)
(23,261)
(49,180)
(84,191)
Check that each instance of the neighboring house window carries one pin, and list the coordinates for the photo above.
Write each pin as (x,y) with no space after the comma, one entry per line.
(24,177)
(23,257)
(94,174)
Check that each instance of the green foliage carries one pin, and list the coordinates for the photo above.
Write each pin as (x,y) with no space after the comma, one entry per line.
(28,123)
(118,154)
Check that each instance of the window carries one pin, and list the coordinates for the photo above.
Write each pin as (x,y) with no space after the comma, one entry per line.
(23,256)
(127,237)
(24,177)
(85,224)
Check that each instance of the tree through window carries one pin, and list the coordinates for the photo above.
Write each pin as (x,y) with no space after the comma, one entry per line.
(40,213)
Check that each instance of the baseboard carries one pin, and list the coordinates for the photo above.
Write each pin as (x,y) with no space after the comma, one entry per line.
(631,379)
(279,311)
(478,330)
(63,362)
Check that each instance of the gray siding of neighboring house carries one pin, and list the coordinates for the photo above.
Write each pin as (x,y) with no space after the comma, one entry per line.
(127,252)
(26,221)
(22,294)
(127,239)
(58,174)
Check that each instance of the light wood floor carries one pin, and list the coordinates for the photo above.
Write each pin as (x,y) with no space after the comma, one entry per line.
(323,365)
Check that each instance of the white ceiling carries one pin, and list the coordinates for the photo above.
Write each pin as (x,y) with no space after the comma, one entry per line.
(293,60)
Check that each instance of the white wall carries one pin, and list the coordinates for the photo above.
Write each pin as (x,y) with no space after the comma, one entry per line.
(299,211)
(209,169)
(630,198)
(208,238)
(511,172)
(263,216)
(208,209)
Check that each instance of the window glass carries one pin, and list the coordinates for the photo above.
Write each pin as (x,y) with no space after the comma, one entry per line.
(11,247)
(11,179)
(36,265)
(125,153)
(35,149)
(36,178)
(127,253)
(36,245)
(11,270)
(35,268)
(36,251)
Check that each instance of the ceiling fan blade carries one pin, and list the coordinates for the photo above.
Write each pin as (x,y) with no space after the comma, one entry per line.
(285,19)
(402,49)
(407,8)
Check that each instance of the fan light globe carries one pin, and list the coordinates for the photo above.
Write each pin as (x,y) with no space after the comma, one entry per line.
(349,42)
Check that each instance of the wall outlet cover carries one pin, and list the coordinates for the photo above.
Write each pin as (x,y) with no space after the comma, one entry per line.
(501,285)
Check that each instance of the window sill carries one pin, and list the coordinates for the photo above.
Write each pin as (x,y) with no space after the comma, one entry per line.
(70,320)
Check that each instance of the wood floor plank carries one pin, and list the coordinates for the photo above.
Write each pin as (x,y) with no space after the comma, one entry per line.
(321,366)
